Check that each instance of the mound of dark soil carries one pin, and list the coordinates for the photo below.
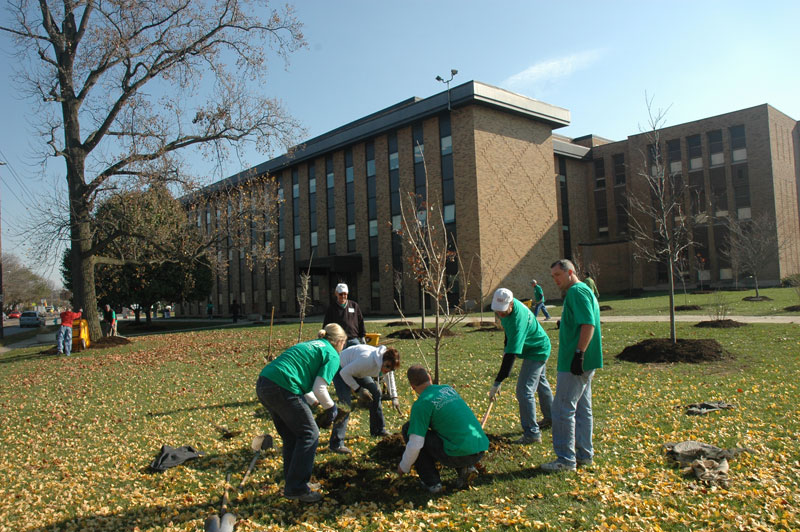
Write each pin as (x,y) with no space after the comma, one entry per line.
(757,298)
(662,350)
(389,450)
(498,443)
(701,292)
(410,334)
(350,481)
(793,308)
(721,324)
(398,324)
(483,326)
(109,341)
(679,308)
(605,307)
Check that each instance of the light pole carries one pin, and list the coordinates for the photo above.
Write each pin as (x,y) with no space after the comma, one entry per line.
(453,73)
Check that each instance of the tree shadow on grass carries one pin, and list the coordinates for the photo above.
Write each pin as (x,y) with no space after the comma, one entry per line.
(38,355)
(205,407)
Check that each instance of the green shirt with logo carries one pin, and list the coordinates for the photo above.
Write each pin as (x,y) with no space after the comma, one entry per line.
(441,409)
(524,336)
(580,308)
(297,368)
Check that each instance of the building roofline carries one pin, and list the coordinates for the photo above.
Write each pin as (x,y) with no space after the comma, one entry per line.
(402,114)
(567,149)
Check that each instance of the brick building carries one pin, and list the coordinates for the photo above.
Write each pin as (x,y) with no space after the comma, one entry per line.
(515,195)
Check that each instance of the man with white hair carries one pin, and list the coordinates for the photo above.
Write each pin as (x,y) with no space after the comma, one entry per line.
(524,339)
(348,315)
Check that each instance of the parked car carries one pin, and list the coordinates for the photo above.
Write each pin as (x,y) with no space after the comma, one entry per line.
(31,318)
(14,314)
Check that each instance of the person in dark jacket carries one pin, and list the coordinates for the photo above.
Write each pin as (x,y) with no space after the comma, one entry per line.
(348,315)
(235,308)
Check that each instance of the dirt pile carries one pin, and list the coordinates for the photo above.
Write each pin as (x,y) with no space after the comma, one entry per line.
(720,324)
(661,350)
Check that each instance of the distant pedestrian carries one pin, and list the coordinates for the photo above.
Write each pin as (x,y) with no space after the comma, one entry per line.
(591,284)
(64,336)
(538,300)
(235,310)
(109,321)
(210,310)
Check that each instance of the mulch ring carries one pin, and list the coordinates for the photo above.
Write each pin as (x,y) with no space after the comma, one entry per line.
(662,350)
(757,298)
(102,343)
(399,324)
(410,334)
(679,308)
(793,308)
(479,326)
(721,324)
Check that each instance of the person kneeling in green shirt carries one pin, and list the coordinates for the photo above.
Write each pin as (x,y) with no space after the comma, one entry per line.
(441,428)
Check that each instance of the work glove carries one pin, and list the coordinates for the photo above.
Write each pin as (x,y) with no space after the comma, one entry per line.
(494,391)
(364,395)
(396,405)
(577,363)
(325,419)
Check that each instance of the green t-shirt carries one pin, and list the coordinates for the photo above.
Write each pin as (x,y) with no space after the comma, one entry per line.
(538,294)
(580,307)
(446,413)
(524,336)
(297,368)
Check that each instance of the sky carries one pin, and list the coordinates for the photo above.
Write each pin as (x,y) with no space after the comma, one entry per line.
(596,59)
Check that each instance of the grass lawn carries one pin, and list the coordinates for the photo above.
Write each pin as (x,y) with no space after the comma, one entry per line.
(80,432)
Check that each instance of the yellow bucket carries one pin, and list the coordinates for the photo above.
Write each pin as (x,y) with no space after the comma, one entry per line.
(373,338)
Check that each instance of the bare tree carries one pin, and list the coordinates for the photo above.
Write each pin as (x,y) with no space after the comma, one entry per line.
(304,297)
(124,88)
(657,217)
(21,286)
(584,265)
(752,244)
(435,263)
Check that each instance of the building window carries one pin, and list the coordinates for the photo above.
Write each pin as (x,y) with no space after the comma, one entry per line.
(599,174)
(719,192)
(350,200)
(674,156)
(312,205)
(619,169)
(331,198)
(418,142)
(716,155)
(741,191)
(695,152)
(296,209)
(697,193)
(601,208)
(394,204)
(621,207)
(738,144)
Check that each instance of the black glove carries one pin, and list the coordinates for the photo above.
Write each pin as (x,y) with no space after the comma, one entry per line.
(325,419)
(577,363)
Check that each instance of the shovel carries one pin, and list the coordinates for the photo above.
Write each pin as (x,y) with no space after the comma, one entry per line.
(260,443)
(226,524)
(488,411)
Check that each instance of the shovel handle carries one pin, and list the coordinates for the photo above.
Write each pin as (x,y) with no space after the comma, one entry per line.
(249,470)
(225,494)
(488,411)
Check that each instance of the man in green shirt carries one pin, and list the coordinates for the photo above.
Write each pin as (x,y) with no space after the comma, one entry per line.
(591,284)
(441,428)
(524,339)
(580,353)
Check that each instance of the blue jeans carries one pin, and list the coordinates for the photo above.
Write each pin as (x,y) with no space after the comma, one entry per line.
(537,306)
(572,417)
(353,341)
(432,452)
(298,430)
(532,378)
(64,339)
(377,424)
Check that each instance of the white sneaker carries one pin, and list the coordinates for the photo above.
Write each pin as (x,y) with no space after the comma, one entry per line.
(555,465)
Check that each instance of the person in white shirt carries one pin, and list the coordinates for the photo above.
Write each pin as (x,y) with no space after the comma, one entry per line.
(361,365)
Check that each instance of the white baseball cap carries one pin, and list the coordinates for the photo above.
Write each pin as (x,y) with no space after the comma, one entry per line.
(502,299)
(341,288)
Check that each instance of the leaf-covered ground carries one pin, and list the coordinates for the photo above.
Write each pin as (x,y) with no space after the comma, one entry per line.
(79,433)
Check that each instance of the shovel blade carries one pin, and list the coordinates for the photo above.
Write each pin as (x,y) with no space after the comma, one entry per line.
(227,523)
(212,524)
(261,442)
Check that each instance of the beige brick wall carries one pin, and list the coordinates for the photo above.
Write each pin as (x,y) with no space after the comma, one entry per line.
(784,172)
(517,199)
